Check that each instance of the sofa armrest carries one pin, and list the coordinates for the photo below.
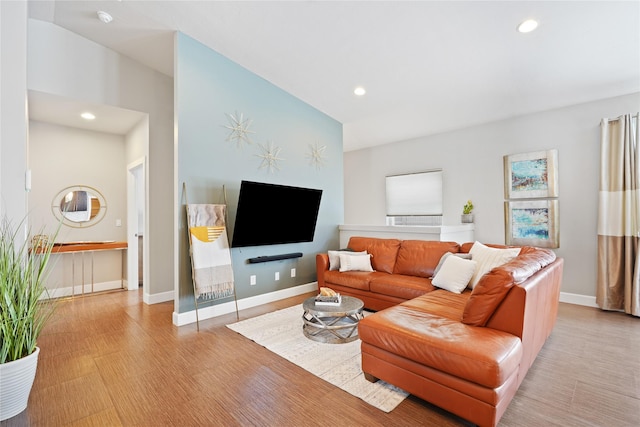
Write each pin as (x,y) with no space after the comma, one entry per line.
(322,265)
(530,309)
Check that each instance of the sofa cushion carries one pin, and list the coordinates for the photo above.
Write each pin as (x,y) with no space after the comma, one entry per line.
(383,251)
(355,262)
(488,258)
(486,297)
(494,286)
(481,355)
(455,274)
(442,303)
(420,257)
(352,279)
(400,286)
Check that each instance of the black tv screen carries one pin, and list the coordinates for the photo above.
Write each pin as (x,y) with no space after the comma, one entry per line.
(270,214)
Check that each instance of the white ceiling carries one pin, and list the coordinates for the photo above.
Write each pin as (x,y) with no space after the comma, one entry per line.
(428,66)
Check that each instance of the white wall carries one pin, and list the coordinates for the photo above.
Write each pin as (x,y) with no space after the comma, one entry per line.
(13,107)
(136,147)
(137,141)
(472,163)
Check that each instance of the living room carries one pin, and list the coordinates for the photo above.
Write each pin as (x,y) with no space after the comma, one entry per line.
(572,129)
(352,181)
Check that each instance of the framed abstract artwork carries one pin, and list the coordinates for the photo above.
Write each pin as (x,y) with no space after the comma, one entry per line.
(532,223)
(531,175)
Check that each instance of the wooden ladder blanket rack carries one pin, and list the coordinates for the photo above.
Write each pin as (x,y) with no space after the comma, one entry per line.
(211,267)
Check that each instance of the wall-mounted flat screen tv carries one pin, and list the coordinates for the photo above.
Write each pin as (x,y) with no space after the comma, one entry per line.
(270,214)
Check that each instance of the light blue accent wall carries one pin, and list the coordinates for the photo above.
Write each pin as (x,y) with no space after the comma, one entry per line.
(209,86)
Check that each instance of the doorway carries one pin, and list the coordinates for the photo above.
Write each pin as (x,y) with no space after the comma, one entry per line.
(136,214)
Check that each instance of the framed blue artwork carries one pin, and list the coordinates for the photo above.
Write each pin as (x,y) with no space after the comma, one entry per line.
(532,223)
(531,175)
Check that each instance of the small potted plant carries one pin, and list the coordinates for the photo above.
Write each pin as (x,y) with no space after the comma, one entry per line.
(467,215)
(23,312)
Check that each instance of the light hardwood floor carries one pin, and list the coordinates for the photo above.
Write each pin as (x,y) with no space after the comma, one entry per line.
(110,360)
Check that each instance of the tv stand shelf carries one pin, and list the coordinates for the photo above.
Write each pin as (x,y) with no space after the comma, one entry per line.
(268,258)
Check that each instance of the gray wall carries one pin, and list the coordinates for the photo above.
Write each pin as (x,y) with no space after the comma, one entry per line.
(100,167)
(93,73)
(472,163)
(208,88)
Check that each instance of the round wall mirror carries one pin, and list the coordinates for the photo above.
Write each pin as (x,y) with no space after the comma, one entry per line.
(79,206)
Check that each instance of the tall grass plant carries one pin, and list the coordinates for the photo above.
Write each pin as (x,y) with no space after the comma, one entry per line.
(24,303)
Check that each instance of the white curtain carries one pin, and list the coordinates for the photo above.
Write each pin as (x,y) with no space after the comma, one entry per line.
(618,279)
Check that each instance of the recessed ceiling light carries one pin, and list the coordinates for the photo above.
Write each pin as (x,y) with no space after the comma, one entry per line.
(359,91)
(88,116)
(104,16)
(528,26)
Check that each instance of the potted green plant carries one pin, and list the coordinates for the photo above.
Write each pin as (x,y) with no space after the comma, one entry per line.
(467,215)
(24,310)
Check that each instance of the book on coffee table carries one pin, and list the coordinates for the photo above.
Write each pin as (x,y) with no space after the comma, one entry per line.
(328,300)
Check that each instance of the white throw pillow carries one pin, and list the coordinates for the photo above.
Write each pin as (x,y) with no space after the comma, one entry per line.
(350,261)
(447,254)
(454,274)
(488,258)
(334,259)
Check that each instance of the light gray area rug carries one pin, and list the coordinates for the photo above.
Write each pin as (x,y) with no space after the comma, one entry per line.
(339,364)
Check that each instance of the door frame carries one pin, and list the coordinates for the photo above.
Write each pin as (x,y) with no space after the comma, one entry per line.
(136,171)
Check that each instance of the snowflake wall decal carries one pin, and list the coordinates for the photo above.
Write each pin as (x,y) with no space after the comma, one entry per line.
(316,155)
(269,157)
(239,127)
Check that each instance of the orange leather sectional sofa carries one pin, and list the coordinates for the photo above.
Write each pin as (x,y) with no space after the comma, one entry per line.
(467,353)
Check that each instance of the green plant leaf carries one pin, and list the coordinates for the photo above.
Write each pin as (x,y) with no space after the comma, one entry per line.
(24,308)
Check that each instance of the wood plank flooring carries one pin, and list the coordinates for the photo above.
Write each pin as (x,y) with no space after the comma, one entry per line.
(110,360)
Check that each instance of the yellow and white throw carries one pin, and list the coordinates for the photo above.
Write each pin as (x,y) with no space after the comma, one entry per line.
(210,253)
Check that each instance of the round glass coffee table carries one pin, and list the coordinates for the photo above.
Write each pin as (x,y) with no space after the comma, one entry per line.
(334,324)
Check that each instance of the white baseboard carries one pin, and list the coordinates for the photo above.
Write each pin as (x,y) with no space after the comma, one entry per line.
(108,286)
(157,298)
(578,299)
(88,289)
(181,319)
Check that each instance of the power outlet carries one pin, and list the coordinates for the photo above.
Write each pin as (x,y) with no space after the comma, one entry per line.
(277,275)
(293,272)
(252,280)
